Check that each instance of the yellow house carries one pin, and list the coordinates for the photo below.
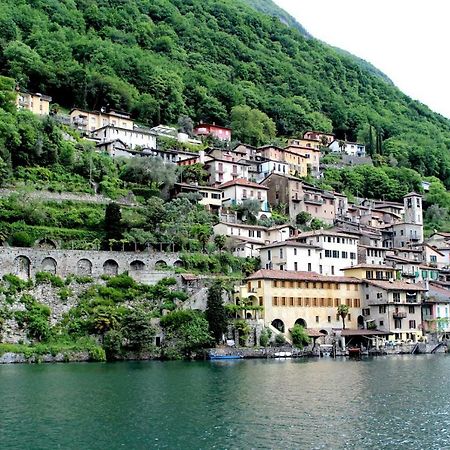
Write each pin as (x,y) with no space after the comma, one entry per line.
(93,120)
(372,272)
(305,298)
(36,103)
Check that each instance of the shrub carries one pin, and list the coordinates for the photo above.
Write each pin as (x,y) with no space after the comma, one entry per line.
(21,239)
(123,281)
(15,283)
(47,277)
(244,329)
(112,343)
(300,336)
(97,354)
(280,339)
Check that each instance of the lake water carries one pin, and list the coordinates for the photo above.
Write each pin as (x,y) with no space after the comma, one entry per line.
(384,403)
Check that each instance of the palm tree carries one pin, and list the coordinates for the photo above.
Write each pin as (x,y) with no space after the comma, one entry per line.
(342,311)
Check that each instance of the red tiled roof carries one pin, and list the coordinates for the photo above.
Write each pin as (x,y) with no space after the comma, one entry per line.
(364,333)
(242,182)
(299,276)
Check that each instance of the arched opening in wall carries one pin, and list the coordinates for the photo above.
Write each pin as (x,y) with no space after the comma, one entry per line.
(263,217)
(249,315)
(22,267)
(178,263)
(160,264)
(84,267)
(278,324)
(301,322)
(360,322)
(325,332)
(110,267)
(49,265)
(46,243)
(137,266)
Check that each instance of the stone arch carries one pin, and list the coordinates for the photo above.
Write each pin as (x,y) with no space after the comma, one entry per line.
(360,322)
(325,332)
(178,263)
(22,266)
(137,265)
(49,265)
(278,324)
(46,243)
(301,322)
(160,264)
(84,267)
(110,267)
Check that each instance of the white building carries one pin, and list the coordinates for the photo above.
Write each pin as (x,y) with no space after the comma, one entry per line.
(235,192)
(291,255)
(131,138)
(349,148)
(249,238)
(338,250)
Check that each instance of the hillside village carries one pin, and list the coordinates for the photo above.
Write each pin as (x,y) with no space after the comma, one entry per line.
(354,269)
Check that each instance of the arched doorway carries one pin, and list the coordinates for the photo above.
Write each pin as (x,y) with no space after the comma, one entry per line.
(360,322)
(160,264)
(137,266)
(110,267)
(49,265)
(22,267)
(84,267)
(278,324)
(301,322)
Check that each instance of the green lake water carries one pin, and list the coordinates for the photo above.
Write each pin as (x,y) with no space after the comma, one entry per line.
(383,403)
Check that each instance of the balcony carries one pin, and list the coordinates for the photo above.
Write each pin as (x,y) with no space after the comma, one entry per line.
(399,315)
(313,201)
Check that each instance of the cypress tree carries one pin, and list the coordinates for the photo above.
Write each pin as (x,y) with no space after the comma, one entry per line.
(215,312)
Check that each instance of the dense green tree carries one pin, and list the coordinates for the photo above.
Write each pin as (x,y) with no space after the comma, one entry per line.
(251,126)
(113,222)
(215,312)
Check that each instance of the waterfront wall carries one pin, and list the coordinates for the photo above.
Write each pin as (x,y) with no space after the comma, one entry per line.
(142,266)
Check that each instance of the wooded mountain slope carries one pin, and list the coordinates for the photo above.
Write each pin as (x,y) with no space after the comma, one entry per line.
(163,58)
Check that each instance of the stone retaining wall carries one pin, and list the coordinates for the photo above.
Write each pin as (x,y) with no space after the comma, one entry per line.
(26,262)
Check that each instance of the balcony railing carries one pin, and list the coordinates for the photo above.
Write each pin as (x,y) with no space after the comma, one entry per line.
(314,201)
(399,315)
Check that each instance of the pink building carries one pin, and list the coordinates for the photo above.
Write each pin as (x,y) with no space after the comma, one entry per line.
(206,129)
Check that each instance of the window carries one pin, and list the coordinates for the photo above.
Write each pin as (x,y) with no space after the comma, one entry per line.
(396,297)
(412,324)
(275,301)
(381,323)
(327,253)
(352,255)
(357,303)
(332,270)
(295,251)
(261,301)
(299,301)
(366,312)
(412,309)
(344,254)
(283,301)
(269,255)
(317,319)
(349,317)
(281,252)
(397,323)
(275,283)
(309,267)
(309,252)
(259,284)
(382,309)
(329,319)
(295,266)
(433,258)
(335,254)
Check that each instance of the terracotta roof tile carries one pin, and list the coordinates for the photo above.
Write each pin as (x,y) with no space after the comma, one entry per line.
(242,182)
(299,276)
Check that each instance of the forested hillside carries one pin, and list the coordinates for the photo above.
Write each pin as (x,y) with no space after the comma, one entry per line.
(161,58)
